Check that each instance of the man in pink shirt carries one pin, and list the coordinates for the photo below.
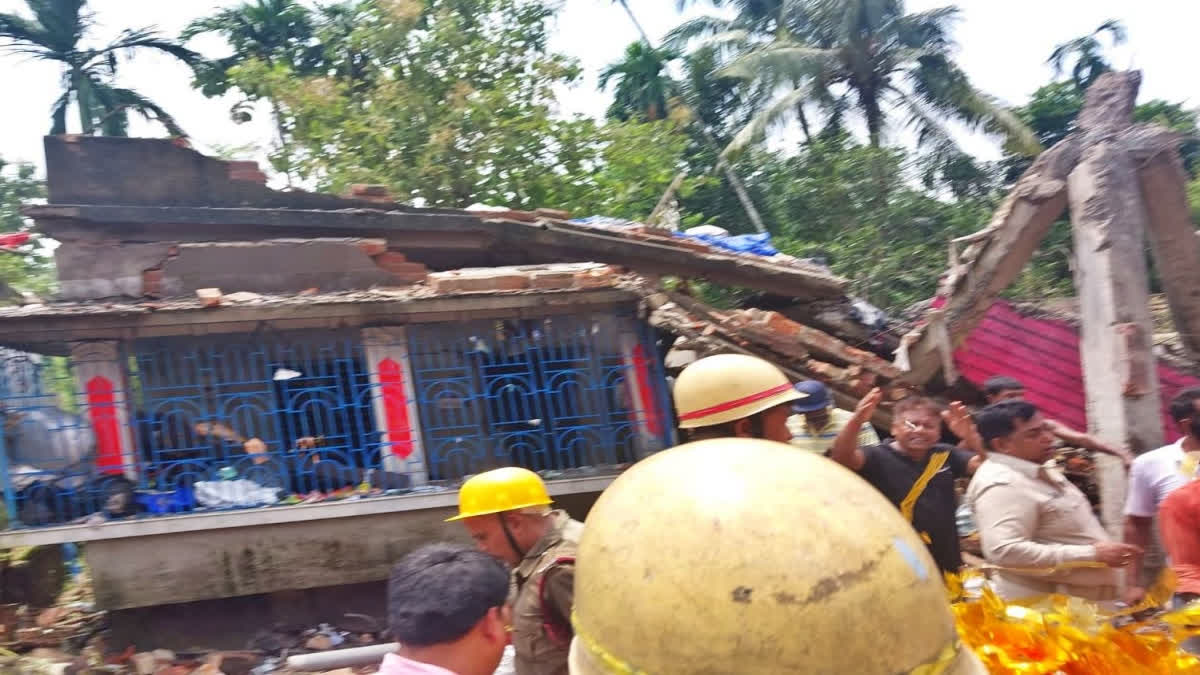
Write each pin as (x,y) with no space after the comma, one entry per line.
(446,607)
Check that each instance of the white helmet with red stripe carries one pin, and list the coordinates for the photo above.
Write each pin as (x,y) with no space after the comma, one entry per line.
(728,387)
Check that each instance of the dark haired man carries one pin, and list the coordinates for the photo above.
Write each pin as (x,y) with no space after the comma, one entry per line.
(446,607)
(913,469)
(1035,527)
(1004,388)
(1156,474)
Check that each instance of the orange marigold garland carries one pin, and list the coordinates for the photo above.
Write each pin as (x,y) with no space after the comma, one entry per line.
(1059,634)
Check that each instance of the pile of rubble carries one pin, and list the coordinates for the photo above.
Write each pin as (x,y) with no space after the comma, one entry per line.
(801,351)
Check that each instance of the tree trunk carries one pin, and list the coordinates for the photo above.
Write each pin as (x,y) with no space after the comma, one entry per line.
(83,99)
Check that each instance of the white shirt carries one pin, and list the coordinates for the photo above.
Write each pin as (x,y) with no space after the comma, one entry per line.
(1153,476)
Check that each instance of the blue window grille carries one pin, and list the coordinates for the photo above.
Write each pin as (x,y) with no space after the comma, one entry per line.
(305,398)
(270,418)
(551,394)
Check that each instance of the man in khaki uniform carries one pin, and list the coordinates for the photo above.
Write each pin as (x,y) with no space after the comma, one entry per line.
(507,511)
(1037,529)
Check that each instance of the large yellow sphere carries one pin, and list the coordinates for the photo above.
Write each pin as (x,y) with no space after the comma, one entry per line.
(748,556)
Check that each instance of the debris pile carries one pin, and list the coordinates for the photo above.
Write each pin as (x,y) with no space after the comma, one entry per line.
(801,351)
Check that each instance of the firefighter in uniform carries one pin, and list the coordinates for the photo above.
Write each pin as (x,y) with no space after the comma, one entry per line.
(734,395)
(738,555)
(507,512)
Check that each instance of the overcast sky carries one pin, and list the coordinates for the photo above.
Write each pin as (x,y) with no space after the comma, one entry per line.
(1003,45)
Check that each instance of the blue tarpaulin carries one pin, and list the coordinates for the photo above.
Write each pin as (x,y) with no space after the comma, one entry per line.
(758,244)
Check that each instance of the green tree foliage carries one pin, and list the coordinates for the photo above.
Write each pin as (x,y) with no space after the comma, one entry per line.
(30,268)
(450,102)
(1052,110)
(867,57)
(854,207)
(642,84)
(1086,54)
(56,32)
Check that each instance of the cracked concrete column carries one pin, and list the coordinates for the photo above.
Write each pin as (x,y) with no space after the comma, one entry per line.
(1108,219)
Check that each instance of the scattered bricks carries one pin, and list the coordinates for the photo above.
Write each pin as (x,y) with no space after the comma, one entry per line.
(826,371)
(152,282)
(374,247)
(553,214)
(597,277)
(551,279)
(479,280)
(247,171)
(400,268)
(371,193)
(780,324)
(209,297)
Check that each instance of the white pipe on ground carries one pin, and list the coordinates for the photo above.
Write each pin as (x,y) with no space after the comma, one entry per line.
(341,658)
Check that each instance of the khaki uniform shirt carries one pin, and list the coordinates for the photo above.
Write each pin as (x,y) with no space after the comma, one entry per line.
(1031,520)
(538,653)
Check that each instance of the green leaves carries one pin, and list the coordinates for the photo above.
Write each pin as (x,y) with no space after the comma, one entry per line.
(54,35)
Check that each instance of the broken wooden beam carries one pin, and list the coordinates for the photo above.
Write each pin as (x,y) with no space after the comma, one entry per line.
(1176,248)
(1015,232)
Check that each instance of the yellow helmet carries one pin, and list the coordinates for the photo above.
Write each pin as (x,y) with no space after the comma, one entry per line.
(743,555)
(506,489)
(727,387)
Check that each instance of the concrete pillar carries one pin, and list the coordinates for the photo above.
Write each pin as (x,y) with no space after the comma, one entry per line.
(394,402)
(1108,219)
(101,380)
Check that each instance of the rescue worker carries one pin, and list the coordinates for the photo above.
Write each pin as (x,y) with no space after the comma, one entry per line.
(734,395)
(693,561)
(507,512)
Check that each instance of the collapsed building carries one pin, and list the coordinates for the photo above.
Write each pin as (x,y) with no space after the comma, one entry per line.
(260,391)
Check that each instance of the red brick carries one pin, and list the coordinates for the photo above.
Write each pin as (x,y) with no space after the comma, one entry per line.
(374,247)
(477,281)
(371,192)
(551,279)
(399,267)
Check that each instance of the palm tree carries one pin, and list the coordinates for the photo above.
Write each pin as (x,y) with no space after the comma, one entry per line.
(643,86)
(869,58)
(55,33)
(275,32)
(1088,54)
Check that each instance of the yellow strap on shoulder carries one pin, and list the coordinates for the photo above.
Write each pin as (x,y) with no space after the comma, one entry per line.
(936,462)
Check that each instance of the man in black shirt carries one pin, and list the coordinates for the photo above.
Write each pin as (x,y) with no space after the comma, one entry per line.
(913,470)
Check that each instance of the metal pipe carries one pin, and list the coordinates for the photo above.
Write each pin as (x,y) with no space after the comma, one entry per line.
(341,658)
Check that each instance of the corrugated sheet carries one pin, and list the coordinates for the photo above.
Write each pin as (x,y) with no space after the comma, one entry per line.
(1043,353)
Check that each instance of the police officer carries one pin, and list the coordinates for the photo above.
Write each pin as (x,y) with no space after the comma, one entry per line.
(507,512)
(740,555)
(734,395)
